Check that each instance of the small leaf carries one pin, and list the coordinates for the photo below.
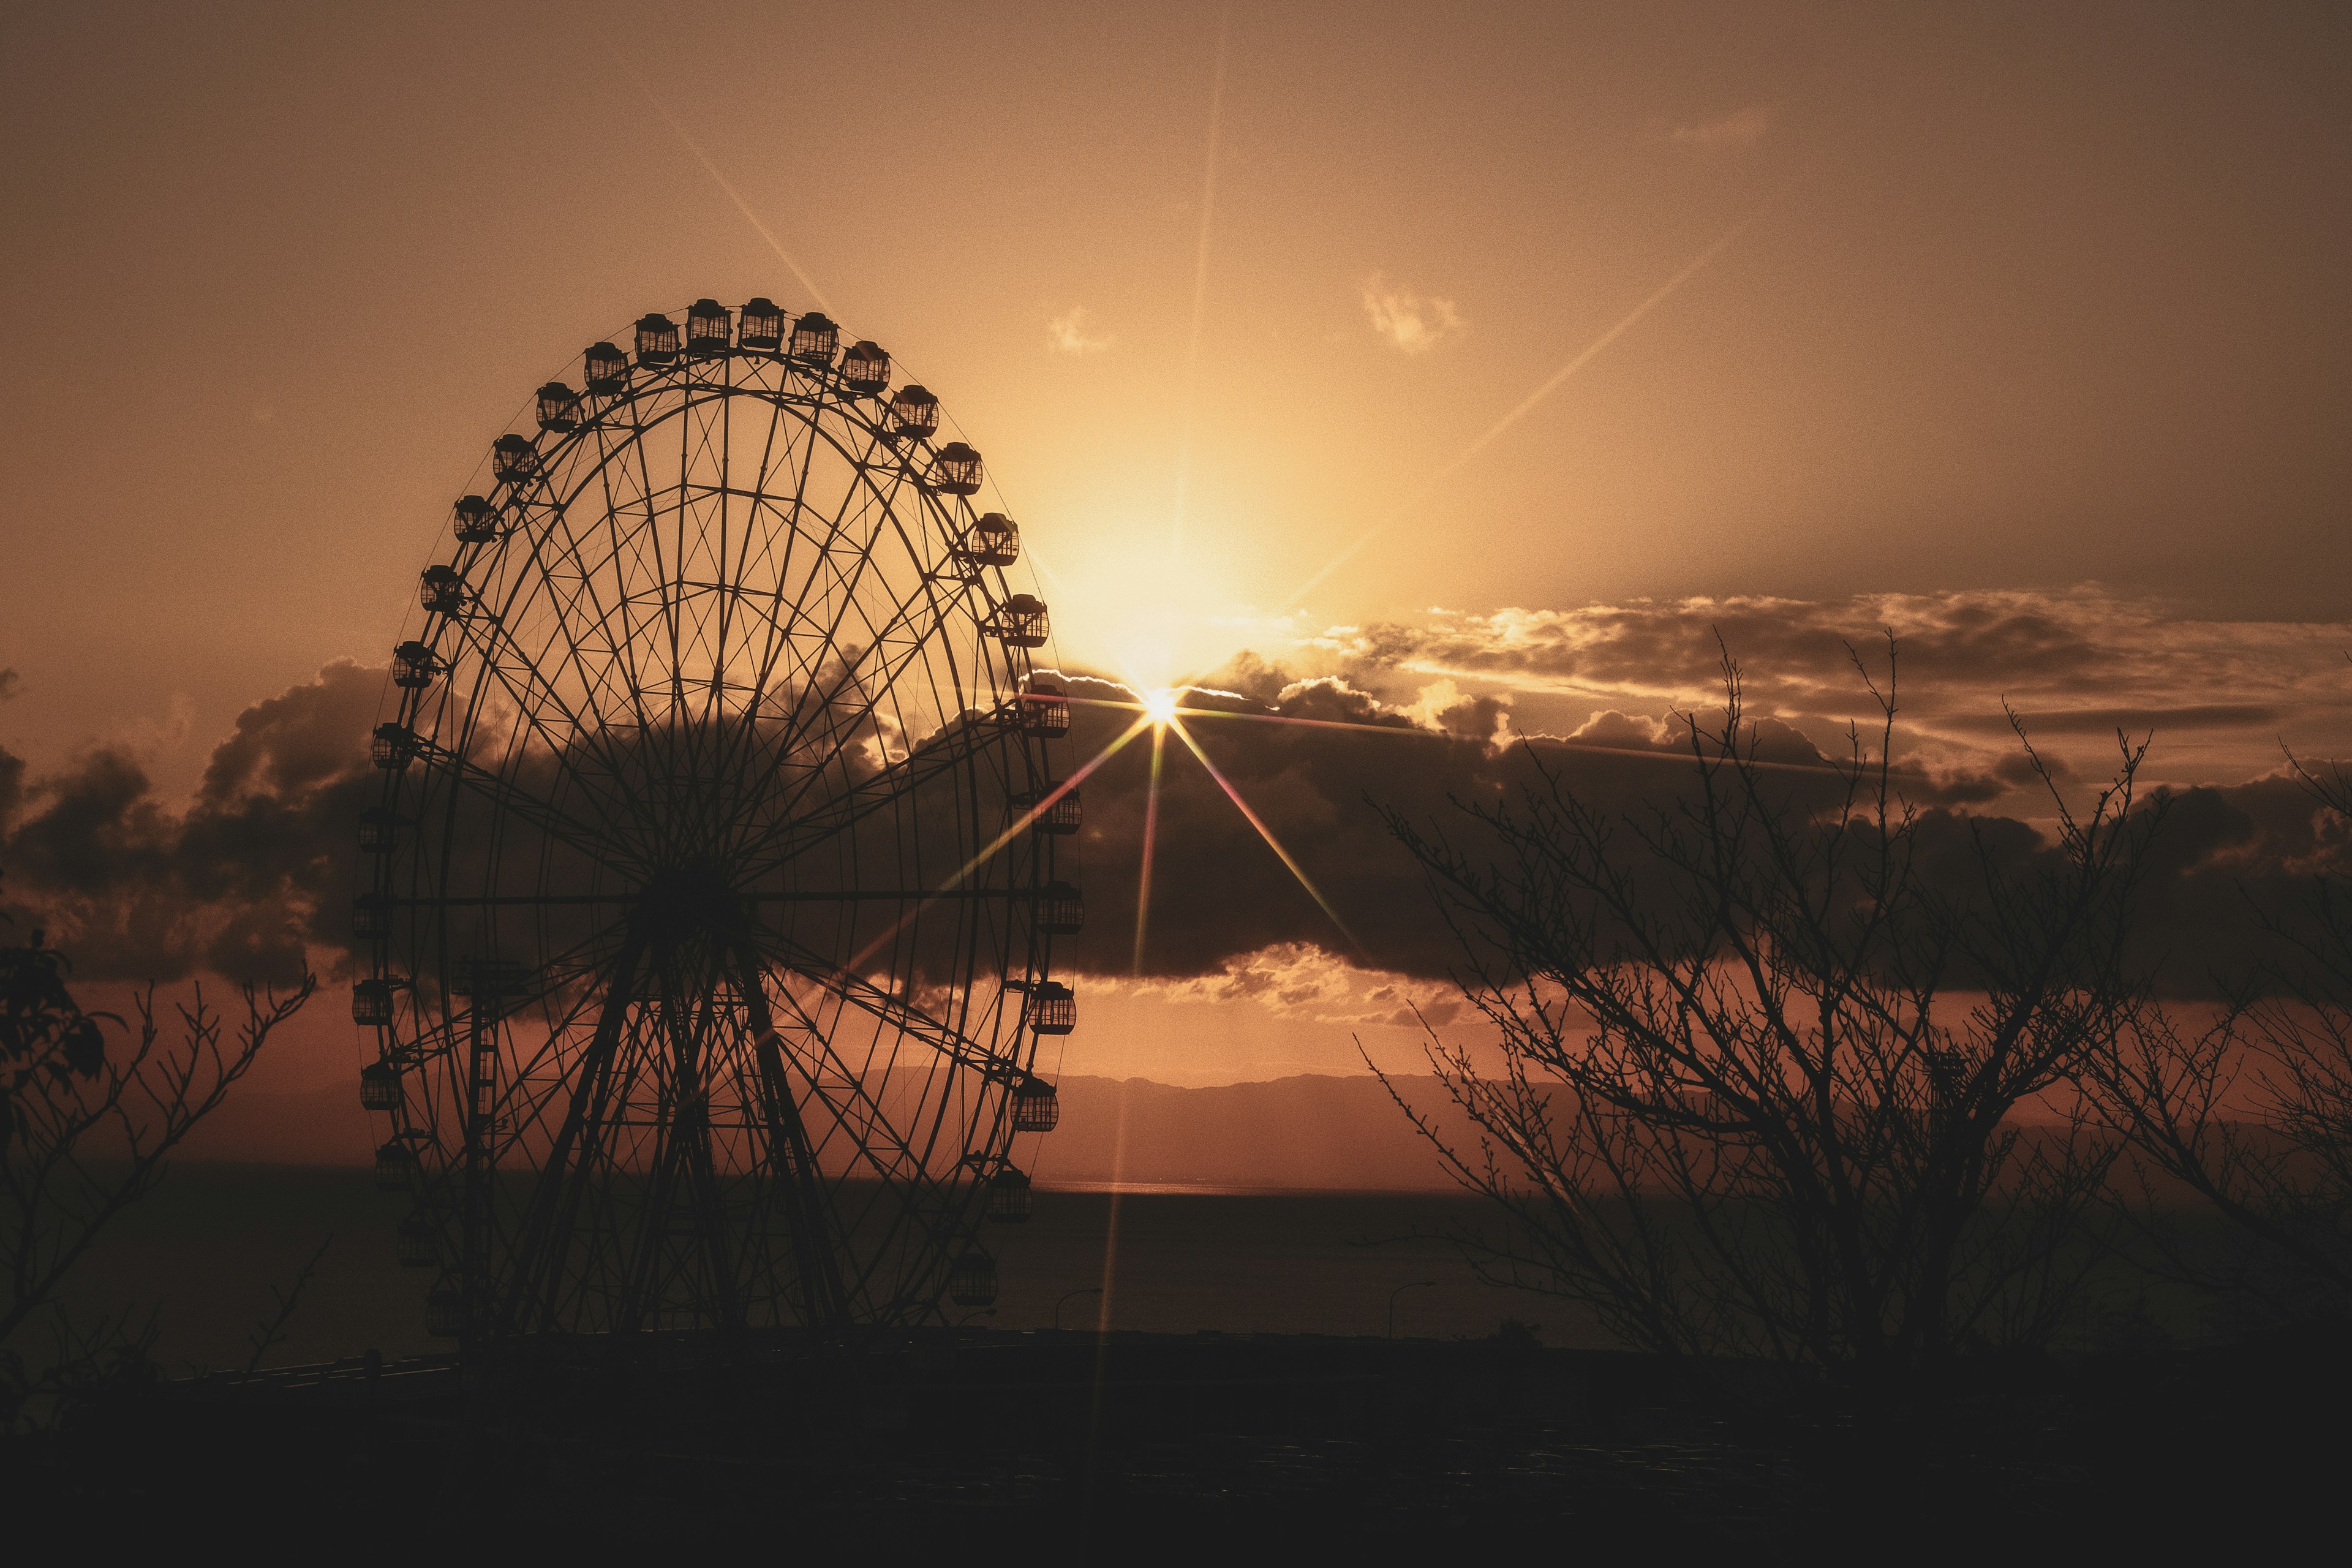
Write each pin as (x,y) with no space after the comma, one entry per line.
(84,1047)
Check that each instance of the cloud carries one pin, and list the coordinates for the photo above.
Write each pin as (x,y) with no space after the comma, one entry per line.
(11,684)
(255,873)
(1740,128)
(1302,980)
(1398,728)
(2076,664)
(1412,322)
(250,880)
(1066,334)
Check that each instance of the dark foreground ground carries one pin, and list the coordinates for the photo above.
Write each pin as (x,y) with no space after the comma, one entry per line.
(1064,1446)
(1245,1402)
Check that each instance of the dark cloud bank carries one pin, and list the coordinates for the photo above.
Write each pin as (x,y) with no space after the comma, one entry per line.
(259,867)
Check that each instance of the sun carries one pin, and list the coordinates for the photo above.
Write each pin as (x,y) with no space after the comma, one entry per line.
(1160,707)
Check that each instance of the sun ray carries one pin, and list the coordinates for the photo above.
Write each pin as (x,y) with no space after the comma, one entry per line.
(720,180)
(1019,823)
(1266,833)
(1150,838)
(1528,404)
(1200,286)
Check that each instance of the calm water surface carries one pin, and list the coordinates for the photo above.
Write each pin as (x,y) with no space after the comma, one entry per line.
(206,1251)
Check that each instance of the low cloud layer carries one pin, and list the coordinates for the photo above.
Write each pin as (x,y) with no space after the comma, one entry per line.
(2074,665)
(255,873)
(1318,760)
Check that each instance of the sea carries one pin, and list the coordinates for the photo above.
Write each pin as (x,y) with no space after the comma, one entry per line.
(211,1258)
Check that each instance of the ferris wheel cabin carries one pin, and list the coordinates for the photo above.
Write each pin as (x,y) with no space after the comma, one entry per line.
(760,326)
(1043,708)
(605,368)
(379,831)
(473,522)
(395,1167)
(955,471)
(993,540)
(559,408)
(914,411)
(866,368)
(1053,1007)
(370,1002)
(1009,1199)
(393,746)
(707,329)
(1019,622)
(513,460)
(971,1282)
(1049,812)
(441,590)
(657,340)
(417,1245)
(380,1087)
(1061,910)
(814,337)
(414,666)
(1037,1106)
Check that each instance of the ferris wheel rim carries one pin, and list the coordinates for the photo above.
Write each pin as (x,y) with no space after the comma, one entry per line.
(965,730)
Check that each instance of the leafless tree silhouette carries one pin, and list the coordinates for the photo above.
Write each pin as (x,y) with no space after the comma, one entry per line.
(2253,1112)
(85,1132)
(1762,1060)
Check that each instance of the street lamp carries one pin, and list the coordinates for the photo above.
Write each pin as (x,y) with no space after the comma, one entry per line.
(1409,1285)
(1089,1291)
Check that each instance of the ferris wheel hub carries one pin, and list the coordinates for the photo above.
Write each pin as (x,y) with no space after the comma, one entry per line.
(690,898)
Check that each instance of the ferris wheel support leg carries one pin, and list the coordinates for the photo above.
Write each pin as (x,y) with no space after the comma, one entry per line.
(790,1158)
(547,1231)
(693,1134)
(645,1282)
(481,1089)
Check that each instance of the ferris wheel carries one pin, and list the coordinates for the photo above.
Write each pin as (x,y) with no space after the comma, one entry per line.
(707,945)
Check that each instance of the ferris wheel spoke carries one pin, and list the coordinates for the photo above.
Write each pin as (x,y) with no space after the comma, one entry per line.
(915,1187)
(901,618)
(825,705)
(897,778)
(796,835)
(893,1012)
(548,1223)
(504,795)
(562,744)
(549,551)
(778,640)
(862,497)
(814,1243)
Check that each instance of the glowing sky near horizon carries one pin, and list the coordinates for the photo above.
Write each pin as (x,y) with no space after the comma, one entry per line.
(1517,310)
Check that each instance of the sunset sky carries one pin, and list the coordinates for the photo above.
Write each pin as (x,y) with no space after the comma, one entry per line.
(1450,352)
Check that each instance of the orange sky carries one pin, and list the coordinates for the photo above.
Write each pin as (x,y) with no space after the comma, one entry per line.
(2016,317)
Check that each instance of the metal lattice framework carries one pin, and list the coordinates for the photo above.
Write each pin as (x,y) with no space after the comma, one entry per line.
(708,938)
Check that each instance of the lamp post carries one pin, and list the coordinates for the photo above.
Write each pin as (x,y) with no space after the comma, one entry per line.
(1089,1291)
(1409,1285)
